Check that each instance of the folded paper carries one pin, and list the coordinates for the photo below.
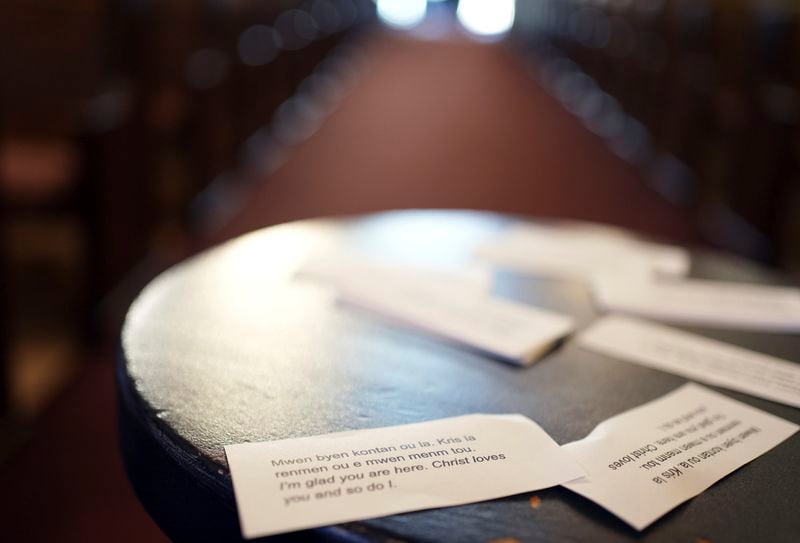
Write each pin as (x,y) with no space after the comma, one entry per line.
(644,462)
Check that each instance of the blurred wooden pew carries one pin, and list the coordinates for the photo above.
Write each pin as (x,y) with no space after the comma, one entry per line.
(715,85)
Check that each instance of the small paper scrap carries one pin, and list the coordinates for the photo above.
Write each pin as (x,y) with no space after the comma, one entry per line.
(339,268)
(704,302)
(646,461)
(514,332)
(584,253)
(308,482)
(695,357)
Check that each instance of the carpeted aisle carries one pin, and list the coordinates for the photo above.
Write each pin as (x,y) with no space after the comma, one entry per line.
(455,124)
(67,483)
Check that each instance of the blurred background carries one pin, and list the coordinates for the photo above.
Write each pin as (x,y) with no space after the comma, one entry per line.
(134,133)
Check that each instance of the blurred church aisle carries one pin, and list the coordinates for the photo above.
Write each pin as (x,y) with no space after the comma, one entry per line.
(455,124)
(447,124)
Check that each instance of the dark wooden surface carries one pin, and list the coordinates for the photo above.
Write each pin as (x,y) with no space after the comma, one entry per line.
(227,348)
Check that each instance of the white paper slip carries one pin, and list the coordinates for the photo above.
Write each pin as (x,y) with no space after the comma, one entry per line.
(337,268)
(695,357)
(294,484)
(583,253)
(646,461)
(712,303)
(512,331)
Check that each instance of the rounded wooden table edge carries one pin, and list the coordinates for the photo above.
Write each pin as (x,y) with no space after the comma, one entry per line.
(191,497)
(149,449)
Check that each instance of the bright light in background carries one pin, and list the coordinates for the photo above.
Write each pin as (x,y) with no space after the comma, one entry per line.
(486,17)
(402,13)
